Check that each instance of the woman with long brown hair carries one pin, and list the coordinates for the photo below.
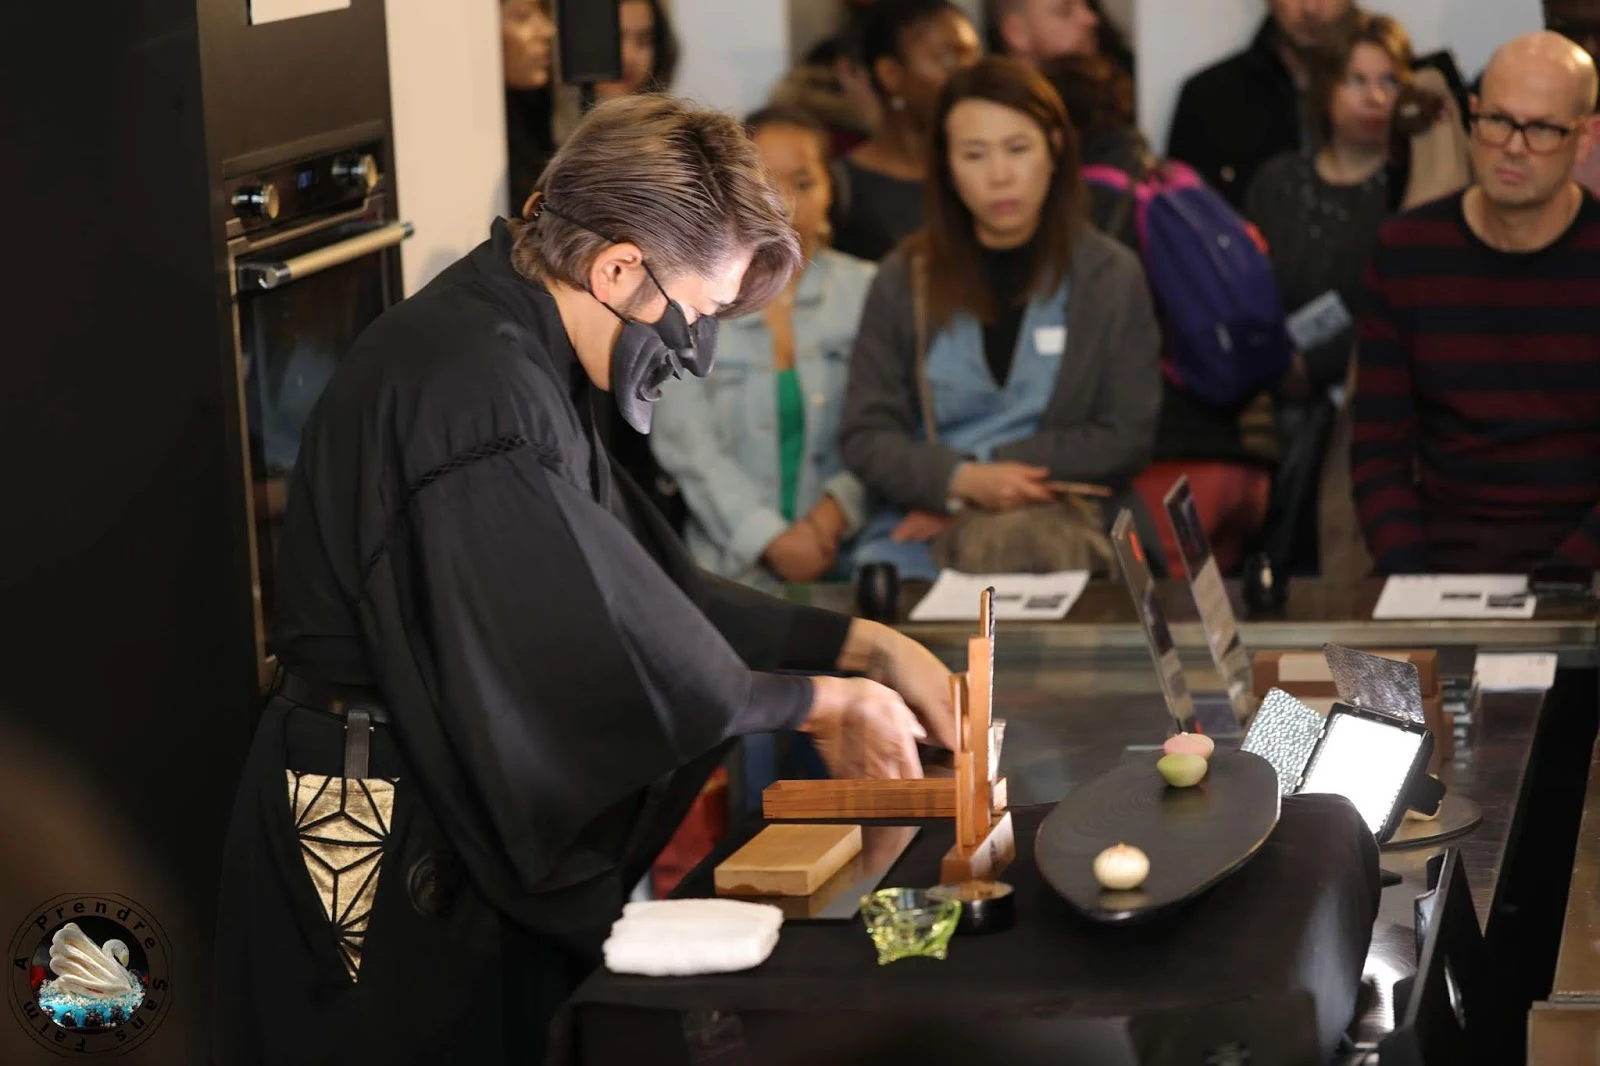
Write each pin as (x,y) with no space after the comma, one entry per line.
(1009,348)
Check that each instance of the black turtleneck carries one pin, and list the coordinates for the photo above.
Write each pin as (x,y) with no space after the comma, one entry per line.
(1008,271)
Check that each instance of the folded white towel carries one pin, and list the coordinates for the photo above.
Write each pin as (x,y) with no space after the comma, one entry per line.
(682,937)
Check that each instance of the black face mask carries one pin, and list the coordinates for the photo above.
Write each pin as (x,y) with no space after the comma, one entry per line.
(646,354)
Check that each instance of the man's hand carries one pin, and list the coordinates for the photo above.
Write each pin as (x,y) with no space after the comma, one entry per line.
(1002,486)
(799,554)
(893,659)
(919,527)
(863,730)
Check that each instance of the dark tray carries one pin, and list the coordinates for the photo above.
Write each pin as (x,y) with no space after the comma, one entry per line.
(1194,837)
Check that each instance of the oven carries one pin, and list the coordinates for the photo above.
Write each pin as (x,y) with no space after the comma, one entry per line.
(313,259)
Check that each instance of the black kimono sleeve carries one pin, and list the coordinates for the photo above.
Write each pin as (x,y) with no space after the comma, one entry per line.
(768,633)
(543,668)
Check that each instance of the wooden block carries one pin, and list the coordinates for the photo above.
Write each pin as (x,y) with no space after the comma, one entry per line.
(788,860)
(987,860)
(1306,674)
(926,797)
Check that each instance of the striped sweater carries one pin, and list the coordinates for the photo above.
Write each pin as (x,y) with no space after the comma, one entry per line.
(1476,444)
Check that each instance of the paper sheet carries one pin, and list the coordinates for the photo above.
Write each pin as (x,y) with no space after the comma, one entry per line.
(1017,597)
(1455,596)
(1516,672)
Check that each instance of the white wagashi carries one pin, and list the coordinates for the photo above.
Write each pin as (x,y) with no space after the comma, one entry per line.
(82,967)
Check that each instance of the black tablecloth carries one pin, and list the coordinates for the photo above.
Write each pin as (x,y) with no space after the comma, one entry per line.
(1280,943)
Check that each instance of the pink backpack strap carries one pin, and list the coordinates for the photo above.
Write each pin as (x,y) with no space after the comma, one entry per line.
(1101,174)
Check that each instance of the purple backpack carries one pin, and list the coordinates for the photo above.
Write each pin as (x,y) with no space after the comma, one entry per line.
(1213,284)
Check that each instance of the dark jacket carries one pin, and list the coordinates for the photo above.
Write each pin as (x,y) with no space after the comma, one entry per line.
(1236,115)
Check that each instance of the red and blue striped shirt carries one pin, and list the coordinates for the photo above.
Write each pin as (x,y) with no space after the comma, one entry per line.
(1476,444)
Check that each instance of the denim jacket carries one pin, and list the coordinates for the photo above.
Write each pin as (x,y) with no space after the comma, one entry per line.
(718,437)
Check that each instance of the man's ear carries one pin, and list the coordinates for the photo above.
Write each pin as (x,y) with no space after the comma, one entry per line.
(610,276)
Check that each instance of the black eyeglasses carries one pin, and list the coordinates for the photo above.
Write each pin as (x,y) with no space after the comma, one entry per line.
(1542,138)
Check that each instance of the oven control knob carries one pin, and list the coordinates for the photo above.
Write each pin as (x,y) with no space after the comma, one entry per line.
(256,201)
(357,171)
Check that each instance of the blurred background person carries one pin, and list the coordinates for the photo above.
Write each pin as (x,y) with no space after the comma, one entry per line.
(754,447)
(1234,116)
(1320,211)
(833,84)
(649,50)
(909,48)
(1477,397)
(1009,348)
(1036,31)
(528,36)
(1228,454)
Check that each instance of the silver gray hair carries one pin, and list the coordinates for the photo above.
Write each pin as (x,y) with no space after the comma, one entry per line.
(685,184)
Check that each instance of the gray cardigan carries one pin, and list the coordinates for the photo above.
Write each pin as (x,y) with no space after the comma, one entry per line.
(1099,426)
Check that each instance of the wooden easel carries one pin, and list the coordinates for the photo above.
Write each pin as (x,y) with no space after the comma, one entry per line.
(985,843)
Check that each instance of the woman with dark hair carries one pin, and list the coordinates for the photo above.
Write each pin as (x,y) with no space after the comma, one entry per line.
(1009,349)
(909,48)
(649,50)
(1319,212)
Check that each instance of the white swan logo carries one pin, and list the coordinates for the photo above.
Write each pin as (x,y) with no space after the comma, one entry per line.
(90,974)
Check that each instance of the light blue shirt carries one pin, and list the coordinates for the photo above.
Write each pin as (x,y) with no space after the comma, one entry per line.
(977,414)
(718,436)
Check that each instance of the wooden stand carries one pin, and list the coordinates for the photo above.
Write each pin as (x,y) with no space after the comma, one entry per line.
(985,843)
(927,797)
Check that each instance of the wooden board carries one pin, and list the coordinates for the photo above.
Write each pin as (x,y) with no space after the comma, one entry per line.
(922,797)
(788,860)
(1193,837)
(1306,673)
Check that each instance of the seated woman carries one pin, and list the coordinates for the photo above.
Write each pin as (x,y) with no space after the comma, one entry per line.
(1037,342)
(754,447)
(1320,212)
(908,48)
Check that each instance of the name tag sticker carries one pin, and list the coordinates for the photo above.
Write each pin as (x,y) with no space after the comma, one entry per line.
(1050,340)
(1319,321)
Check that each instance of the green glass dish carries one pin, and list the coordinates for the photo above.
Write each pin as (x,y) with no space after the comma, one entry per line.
(908,922)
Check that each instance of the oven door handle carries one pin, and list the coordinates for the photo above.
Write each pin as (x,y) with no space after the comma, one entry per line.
(275,275)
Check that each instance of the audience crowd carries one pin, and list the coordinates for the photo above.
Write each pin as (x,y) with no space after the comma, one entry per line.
(977,369)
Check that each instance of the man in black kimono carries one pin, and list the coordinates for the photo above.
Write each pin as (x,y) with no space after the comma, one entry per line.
(503,681)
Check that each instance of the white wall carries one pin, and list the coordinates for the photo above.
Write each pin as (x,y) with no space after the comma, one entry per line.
(734,51)
(1178,37)
(445,90)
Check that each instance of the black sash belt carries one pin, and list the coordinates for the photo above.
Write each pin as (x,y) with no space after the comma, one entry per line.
(360,707)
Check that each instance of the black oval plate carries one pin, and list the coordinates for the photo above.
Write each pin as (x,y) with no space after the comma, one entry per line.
(1194,837)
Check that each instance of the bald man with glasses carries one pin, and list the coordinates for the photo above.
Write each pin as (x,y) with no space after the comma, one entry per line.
(1476,444)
